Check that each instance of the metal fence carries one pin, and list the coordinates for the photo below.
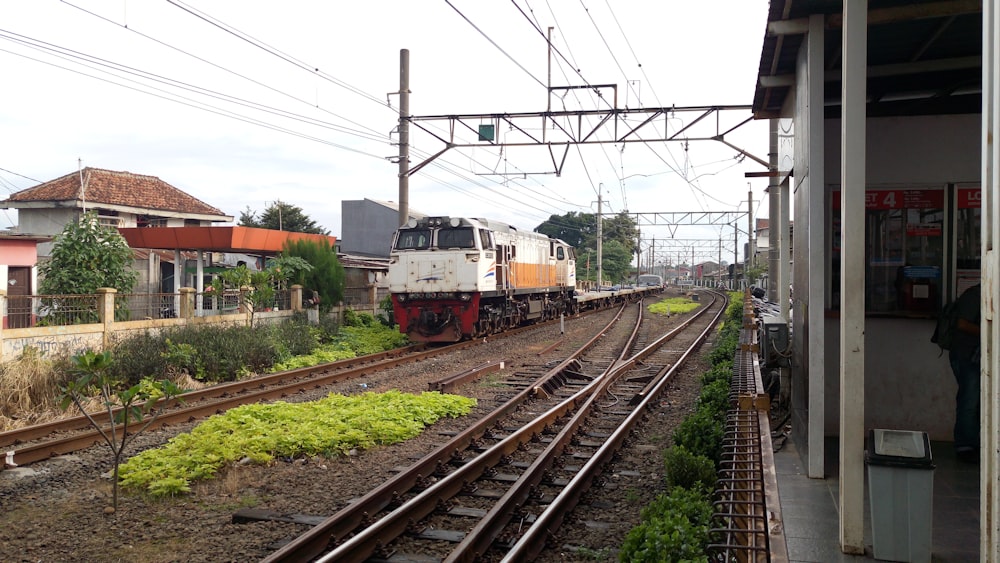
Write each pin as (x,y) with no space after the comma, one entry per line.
(25,311)
(28,311)
(135,306)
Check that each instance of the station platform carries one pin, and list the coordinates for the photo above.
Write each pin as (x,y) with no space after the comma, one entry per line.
(809,508)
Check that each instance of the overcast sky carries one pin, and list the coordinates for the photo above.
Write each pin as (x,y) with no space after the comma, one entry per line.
(242,103)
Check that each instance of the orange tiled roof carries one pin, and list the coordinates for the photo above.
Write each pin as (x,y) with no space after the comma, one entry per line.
(117,188)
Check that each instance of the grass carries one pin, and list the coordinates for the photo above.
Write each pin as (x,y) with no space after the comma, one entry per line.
(29,388)
(673,306)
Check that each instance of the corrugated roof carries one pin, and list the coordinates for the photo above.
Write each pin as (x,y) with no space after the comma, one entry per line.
(924,56)
(109,187)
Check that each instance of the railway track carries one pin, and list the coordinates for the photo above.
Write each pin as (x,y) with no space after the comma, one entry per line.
(499,489)
(31,444)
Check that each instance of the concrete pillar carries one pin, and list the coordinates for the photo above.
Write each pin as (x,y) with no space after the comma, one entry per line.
(187,299)
(852,279)
(106,312)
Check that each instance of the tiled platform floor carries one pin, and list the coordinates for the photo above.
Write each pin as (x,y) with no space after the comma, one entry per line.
(810,511)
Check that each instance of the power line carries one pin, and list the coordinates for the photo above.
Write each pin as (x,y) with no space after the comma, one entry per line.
(204,107)
(220,67)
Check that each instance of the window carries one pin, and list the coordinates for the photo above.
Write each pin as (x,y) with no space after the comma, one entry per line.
(904,250)
(487,240)
(456,238)
(413,239)
(968,238)
(560,253)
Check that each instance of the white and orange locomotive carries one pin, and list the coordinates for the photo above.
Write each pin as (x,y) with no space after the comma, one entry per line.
(456,278)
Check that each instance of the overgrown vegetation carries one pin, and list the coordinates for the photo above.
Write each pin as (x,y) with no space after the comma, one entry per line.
(673,306)
(675,527)
(29,388)
(327,274)
(141,403)
(207,354)
(215,354)
(260,433)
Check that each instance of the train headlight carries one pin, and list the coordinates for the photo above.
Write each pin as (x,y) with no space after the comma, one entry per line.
(401,297)
(455,221)
(465,297)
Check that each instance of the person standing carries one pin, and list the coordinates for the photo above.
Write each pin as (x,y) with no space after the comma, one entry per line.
(964,358)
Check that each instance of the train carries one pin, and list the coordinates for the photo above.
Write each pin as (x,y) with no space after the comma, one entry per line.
(457,278)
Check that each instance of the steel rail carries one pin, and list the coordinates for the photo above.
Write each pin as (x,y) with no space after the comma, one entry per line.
(362,545)
(223,397)
(532,542)
(22,435)
(335,528)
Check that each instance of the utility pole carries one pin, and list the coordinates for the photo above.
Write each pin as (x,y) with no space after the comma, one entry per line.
(404,136)
(638,254)
(750,246)
(600,237)
(720,259)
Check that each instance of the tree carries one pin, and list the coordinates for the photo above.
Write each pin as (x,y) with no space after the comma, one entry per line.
(326,275)
(87,256)
(143,401)
(621,228)
(616,263)
(576,229)
(580,230)
(281,216)
(261,285)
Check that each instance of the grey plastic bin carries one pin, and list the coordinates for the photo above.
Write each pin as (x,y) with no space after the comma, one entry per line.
(901,493)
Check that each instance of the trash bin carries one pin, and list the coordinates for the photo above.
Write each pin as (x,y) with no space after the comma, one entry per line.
(900,492)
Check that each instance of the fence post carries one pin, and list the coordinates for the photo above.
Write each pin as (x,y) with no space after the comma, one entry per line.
(106,312)
(246,307)
(187,302)
(296,297)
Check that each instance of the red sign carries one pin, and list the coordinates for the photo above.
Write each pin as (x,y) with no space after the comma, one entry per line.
(921,230)
(899,199)
(970,198)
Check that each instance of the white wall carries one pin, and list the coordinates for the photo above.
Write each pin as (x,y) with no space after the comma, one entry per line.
(907,385)
(918,151)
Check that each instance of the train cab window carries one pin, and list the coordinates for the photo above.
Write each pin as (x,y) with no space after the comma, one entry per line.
(487,240)
(413,239)
(462,237)
(560,253)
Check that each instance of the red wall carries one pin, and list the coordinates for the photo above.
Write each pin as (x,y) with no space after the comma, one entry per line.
(18,252)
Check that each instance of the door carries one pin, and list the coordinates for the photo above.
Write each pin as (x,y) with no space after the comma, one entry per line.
(18,297)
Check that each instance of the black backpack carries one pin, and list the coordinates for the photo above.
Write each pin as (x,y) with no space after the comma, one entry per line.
(947,324)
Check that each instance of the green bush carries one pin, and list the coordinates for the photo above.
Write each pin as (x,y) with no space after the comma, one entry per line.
(137,356)
(694,503)
(294,337)
(715,398)
(687,470)
(720,371)
(701,434)
(667,539)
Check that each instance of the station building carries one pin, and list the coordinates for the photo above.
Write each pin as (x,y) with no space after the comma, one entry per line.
(883,116)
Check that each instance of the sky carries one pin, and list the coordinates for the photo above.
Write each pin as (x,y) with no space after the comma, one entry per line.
(245,103)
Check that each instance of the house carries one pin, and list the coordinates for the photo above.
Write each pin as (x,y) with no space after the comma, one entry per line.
(121,199)
(19,276)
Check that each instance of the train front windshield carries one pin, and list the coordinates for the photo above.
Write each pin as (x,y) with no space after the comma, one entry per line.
(413,239)
(456,238)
